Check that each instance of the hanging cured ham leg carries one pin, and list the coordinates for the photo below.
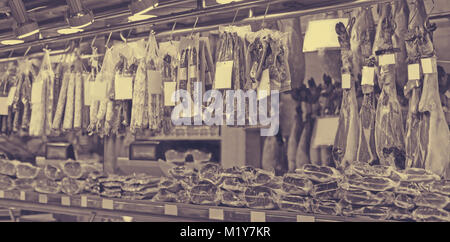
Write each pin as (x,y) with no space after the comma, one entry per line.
(389,133)
(346,141)
(363,35)
(438,149)
(416,140)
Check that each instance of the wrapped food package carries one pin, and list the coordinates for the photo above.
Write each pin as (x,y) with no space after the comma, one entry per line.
(24,184)
(232,198)
(260,197)
(6,183)
(52,172)
(72,186)
(8,167)
(295,203)
(25,170)
(204,193)
(319,173)
(296,184)
(430,214)
(45,185)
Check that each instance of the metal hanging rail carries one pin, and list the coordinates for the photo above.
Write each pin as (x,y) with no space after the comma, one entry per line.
(217,9)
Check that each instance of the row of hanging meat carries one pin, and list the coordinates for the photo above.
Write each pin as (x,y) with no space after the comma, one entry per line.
(380,133)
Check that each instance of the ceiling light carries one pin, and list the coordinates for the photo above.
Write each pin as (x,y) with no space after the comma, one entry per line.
(25,27)
(226,1)
(140,17)
(139,7)
(69,30)
(78,16)
(12,42)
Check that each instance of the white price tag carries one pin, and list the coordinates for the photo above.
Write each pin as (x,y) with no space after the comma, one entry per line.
(84,201)
(127,219)
(107,204)
(169,90)
(368,74)
(302,218)
(193,71)
(22,196)
(182,74)
(346,80)
(98,90)
(36,92)
(2,194)
(429,65)
(216,213)
(43,198)
(264,85)
(65,201)
(11,94)
(123,87)
(170,209)
(257,216)
(154,79)
(414,72)
(3,105)
(222,79)
(388,59)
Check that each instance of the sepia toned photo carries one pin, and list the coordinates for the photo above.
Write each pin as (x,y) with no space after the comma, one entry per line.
(225,111)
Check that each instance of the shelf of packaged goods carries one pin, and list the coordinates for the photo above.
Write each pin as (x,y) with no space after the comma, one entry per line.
(144,210)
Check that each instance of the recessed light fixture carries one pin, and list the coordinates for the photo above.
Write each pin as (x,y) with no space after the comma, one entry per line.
(69,30)
(139,7)
(140,17)
(25,26)
(12,42)
(78,16)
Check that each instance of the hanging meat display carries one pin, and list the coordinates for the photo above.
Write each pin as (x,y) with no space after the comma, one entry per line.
(155,97)
(363,34)
(416,140)
(401,19)
(346,141)
(437,157)
(389,126)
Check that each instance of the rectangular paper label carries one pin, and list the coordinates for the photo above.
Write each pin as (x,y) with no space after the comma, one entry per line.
(192,71)
(65,201)
(216,213)
(222,78)
(170,209)
(107,204)
(429,65)
(302,218)
(11,94)
(43,198)
(84,201)
(22,196)
(123,87)
(127,219)
(264,85)
(182,74)
(414,72)
(257,216)
(346,81)
(169,90)
(3,105)
(36,92)
(154,82)
(388,59)
(368,73)
(98,90)
(2,194)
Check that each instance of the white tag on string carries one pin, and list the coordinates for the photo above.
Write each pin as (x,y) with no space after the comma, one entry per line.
(169,89)
(154,82)
(346,81)
(222,79)
(3,105)
(429,65)
(388,59)
(36,92)
(413,72)
(368,74)
(123,87)
(98,90)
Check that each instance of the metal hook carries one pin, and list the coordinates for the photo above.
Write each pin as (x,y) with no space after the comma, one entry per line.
(93,41)
(234,18)
(107,41)
(122,37)
(26,52)
(195,24)
(265,13)
(173,29)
